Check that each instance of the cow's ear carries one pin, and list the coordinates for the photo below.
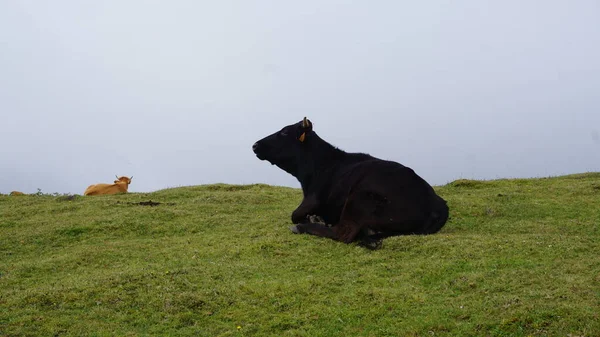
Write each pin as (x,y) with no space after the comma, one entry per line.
(306,124)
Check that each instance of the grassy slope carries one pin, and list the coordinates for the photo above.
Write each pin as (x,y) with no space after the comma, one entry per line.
(518,257)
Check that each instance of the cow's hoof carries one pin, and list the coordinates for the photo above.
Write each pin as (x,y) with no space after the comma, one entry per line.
(371,244)
(295,229)
(316,219)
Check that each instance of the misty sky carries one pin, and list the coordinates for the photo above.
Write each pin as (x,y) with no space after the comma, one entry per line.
(176,92)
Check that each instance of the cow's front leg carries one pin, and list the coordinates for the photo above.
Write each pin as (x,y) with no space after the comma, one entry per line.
(344,232)
(308,206)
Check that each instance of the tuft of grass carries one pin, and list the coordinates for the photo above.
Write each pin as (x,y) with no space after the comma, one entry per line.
(518,257)
(468,183)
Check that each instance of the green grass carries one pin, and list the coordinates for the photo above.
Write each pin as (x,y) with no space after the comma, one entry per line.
(519,257)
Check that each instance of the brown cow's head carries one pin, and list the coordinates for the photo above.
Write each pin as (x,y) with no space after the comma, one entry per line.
(123,180)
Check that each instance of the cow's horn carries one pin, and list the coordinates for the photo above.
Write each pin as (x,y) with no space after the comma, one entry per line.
(305,123)
(116,176)
(302,136)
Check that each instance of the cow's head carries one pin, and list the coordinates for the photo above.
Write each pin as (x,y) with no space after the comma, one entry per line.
(285,147)
(123,180)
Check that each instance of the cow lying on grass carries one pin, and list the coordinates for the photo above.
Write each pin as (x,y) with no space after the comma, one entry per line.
(16,193)
(120,186)
(363,198)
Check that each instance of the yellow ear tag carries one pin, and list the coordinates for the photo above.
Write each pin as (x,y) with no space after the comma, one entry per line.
(302,136)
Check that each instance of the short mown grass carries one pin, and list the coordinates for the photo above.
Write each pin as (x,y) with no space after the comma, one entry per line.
(518,257)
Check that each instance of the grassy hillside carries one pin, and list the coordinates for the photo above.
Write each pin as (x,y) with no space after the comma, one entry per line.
(517,258)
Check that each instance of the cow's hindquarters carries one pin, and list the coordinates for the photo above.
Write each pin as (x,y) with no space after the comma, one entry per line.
(438,216)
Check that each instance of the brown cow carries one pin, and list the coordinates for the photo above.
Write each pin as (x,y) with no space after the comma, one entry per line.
(16,193)
(120,186)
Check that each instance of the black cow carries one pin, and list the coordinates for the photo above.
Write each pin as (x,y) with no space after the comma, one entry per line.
(361,197)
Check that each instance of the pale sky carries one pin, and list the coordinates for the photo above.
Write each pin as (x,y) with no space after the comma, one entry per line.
(176,92)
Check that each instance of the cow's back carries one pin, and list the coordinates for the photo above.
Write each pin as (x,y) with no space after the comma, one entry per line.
(98,189)
(89,190)
(388,193)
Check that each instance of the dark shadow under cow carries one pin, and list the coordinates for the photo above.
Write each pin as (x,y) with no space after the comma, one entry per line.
(361,197)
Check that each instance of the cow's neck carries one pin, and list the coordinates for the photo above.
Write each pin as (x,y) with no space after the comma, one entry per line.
(319,164)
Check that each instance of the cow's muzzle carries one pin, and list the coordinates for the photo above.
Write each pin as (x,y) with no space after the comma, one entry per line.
(255,149)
